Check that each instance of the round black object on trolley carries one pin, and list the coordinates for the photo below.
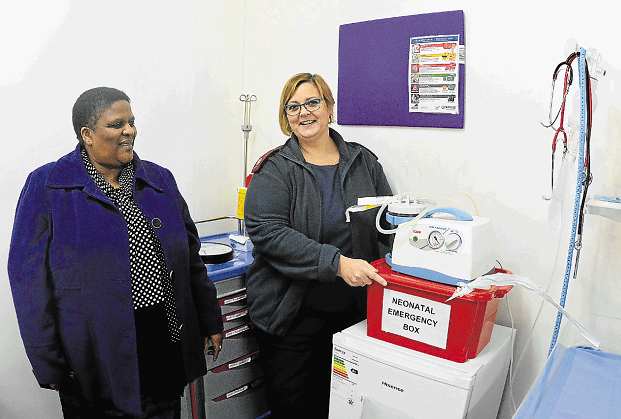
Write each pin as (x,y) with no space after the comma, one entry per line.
(214,253)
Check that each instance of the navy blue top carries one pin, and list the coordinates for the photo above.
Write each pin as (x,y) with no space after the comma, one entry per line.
(334,295)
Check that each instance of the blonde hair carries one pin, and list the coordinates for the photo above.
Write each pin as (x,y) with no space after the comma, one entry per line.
(291,86)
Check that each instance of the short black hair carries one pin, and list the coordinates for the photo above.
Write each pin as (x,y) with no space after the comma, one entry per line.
(91,104)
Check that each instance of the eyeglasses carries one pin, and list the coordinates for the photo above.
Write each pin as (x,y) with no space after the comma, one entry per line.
(294,109)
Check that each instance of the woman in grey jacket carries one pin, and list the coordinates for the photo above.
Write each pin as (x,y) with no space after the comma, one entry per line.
(310,266)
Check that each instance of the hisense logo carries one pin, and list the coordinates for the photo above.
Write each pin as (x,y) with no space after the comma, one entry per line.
(384,383)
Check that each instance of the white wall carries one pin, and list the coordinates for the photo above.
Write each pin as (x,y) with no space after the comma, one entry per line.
(173,62)
(185,67)
(501,157)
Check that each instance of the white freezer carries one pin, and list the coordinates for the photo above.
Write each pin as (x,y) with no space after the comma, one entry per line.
(376,379)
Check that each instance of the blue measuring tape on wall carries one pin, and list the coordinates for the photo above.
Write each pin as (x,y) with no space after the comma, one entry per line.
(579,182)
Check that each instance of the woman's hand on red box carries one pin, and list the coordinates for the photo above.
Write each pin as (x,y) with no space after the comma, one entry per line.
(358,272)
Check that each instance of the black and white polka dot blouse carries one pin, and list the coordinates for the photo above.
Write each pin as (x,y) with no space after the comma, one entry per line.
(149,275)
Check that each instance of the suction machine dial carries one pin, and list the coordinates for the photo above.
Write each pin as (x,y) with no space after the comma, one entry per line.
(452,241)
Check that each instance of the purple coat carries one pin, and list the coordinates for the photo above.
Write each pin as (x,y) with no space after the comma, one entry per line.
(70,277)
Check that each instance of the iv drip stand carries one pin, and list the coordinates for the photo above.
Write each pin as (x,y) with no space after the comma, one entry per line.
(246,128)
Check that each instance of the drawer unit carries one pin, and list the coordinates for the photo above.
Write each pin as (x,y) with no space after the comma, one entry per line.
(233,385)
(238,402)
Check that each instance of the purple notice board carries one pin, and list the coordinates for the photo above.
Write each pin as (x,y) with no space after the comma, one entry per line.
(373,84)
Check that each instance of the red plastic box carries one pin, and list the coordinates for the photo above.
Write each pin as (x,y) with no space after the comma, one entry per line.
(413,313)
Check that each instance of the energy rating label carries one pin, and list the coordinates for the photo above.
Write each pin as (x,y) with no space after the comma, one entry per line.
(345,372)
(339,367)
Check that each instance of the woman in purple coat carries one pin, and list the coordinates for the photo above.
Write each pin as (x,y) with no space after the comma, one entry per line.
(114,304)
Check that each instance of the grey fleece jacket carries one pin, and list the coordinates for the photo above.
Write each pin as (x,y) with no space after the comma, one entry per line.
(283,215)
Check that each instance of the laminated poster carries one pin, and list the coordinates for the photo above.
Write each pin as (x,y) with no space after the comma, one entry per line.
(434,74)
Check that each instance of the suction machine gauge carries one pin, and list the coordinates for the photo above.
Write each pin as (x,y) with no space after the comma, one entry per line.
(436,239)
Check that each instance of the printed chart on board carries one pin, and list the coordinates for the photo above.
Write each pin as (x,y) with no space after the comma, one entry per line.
(434,74)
